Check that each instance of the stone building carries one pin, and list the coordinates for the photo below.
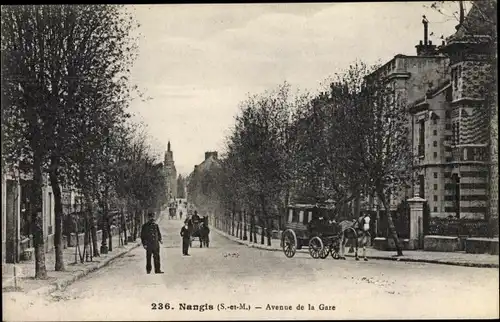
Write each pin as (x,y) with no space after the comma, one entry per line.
(410,77)
(199,182)
(170,173)
(451,133)
(16,218)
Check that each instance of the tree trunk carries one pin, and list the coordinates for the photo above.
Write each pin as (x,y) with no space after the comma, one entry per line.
(136,223)
(124,227)
(105,224)
(245,225)
(58,209)
(254,228)
(232,223)
(269,232)
(242,227)
(110,240)
(93,230)
(36,218)
(392,228)
(262,229)
(251,228)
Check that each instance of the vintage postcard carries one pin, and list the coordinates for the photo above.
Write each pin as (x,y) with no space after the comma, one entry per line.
(264,161)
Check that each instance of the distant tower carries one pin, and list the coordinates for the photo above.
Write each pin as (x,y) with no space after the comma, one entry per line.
(170,173)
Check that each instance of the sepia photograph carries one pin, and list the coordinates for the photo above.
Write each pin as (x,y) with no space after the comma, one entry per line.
(250,161)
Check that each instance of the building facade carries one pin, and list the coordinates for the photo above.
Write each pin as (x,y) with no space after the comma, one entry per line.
(199,183)
(170,173)
(16,218)
(453,132)
(409,77)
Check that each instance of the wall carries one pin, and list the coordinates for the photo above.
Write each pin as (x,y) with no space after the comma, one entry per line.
(422,71)
(4,216)
(493,182)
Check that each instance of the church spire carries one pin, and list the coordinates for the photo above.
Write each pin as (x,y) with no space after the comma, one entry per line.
(168,146)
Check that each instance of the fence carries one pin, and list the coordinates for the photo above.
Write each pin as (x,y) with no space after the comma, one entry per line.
(458,227)
(400,218)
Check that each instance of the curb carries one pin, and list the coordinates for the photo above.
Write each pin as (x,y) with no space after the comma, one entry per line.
(44,290)
(397,259)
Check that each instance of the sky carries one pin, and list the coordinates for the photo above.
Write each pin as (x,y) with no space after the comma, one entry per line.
(198,62)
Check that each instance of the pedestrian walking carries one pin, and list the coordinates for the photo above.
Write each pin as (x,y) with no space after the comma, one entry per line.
(180,214)
(151,240)
(186,236)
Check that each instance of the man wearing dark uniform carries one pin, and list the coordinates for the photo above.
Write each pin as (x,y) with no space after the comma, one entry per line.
(186,236)
(195,218)
(151,240)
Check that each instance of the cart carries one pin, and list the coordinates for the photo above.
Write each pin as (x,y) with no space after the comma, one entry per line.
(308,225)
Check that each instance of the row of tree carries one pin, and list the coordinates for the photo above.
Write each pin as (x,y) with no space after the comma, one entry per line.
(65,94)
(350,139)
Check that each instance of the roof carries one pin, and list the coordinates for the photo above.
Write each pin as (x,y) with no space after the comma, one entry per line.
(479,24)
(207,164)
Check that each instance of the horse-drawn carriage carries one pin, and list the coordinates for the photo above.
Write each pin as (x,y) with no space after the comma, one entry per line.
(172,210)
(199,230)
(316,227)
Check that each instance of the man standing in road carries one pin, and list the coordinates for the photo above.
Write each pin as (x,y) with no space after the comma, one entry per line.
(151,240)
(186,236)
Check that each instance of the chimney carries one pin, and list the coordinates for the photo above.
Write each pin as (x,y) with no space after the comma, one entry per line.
(426,30)
(211,154)
(426,48)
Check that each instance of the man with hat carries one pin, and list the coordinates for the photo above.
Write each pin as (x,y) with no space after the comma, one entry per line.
(151,240)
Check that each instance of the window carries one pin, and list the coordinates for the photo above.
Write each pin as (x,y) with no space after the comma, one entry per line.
(454,74)
(435,209)
(306,219)
(435,187)
(435,132)
(447,114)
(447,126)
(421,139)
(435,198)
(435,143)
(456,133)
(434,121)
(435,155)
(435,175)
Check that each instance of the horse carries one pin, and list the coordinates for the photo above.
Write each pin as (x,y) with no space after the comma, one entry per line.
(357,231)
(204,233)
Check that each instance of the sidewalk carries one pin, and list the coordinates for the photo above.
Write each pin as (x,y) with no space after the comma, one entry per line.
(445,258)
(25,270)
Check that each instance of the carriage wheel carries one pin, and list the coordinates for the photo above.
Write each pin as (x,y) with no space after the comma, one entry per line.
(324,252)
(289,243)
(315,247)
(334,252)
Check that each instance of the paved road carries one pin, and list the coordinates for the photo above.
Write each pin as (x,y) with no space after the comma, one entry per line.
(228,273)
